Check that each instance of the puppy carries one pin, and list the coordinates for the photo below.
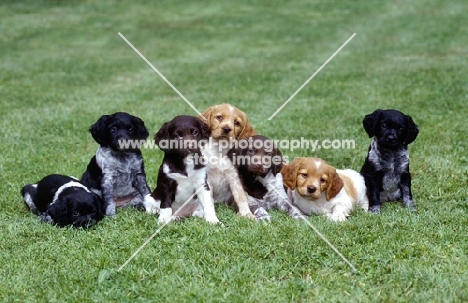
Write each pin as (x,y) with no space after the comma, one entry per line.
(227,124)
(386,168)
(63,201)
(182,188)
(116,172)
(259,162)
(317,187)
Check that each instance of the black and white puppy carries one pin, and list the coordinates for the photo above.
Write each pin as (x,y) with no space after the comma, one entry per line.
(117,172)
(63,200)
(386,168)
(259,163)
(182,187)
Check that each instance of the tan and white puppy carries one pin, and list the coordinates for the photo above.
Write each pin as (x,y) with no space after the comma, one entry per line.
(316,187)
(228,124)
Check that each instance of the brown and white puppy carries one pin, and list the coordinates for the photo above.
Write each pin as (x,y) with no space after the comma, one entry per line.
(259,163)
(318,188)
(227,124)
(182,188)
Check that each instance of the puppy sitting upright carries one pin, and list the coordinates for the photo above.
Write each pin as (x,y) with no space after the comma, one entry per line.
(182,188)
(116,172)
(318,188)
(386,168)
(259,163)
(227,124)
(63,200)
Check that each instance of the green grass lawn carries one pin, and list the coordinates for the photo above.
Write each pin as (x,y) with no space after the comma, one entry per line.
(63,65)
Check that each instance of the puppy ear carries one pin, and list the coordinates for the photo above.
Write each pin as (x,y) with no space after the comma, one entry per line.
(205,130)
(370,121)
(99,130)
(335,184)
(205,117)
(247,131)
(101,206)
(59,212)
(141,132)
(412,130)
(162,134)
(276,168)
(289,173)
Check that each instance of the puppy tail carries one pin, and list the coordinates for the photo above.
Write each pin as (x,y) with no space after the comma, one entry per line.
(29,192)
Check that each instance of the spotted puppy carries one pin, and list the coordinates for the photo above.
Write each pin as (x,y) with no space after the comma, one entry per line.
(117,172)
(386,168)
(63,201)
(318,188)
(182,187)
(259,162)
(227,124)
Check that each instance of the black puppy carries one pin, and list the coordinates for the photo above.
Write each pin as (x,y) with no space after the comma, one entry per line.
(63,200)
(386,168)
(117,172)
(182,185)
(259,163)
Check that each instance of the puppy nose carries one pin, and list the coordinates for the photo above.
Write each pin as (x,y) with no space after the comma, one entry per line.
(311,189)
(226,130)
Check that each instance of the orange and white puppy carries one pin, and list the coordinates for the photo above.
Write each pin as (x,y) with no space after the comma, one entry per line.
(228,124)
(316,187)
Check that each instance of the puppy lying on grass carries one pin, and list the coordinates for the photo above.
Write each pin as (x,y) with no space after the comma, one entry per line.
(316,187)
(63,200)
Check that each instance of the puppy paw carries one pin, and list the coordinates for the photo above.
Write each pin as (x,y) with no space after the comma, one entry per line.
(262,215)
(375,209)
(165,216)
(298,216)
(151,205)
(45,217)
(410,206)
(110,210)
(214,221)
(198,213)
(248,215)
(337,217)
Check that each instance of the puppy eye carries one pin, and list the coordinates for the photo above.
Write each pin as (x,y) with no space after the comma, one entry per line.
(304,176)
(322,180)
(76,214)
(251,152)
(177,136)
(384,125)
(269,154)
(401,130)
(130,128)
(195,132)
(113,129)
(236,123)
(219,117)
